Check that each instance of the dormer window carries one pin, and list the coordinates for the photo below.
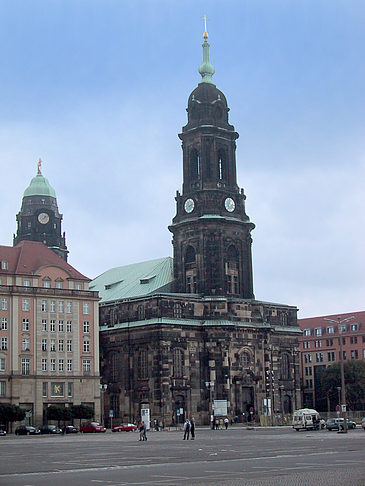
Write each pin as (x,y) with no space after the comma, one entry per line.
(47,283)
(59,284)
(4,265)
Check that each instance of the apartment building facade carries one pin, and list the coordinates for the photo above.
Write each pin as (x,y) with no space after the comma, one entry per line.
(49,344)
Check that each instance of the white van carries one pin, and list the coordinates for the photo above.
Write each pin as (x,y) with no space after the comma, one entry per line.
(306,418)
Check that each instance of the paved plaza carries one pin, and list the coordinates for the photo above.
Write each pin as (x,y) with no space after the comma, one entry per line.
(237,456)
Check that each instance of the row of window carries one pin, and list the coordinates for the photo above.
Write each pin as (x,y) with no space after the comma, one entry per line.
(52,325)
(319,331)
(330,341)
(57,389)
(46,305)
(25,365)
(52,347)
(86,365)
(46,282)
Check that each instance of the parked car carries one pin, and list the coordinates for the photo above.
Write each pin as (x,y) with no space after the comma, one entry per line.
(27,430)
(92,427)
(50,429)
(2,432)
(70,429)
(363,423)
(124,428)
(337,423)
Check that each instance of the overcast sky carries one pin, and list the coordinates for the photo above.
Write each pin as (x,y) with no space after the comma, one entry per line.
(98,89)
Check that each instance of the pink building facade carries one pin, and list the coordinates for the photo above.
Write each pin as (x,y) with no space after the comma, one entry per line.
(49,345)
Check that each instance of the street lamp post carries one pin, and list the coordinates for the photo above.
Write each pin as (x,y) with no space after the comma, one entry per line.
(339,322)
(210,385)
(103,388)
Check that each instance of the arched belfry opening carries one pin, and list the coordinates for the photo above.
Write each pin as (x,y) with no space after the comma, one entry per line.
(222,165)
(194,165)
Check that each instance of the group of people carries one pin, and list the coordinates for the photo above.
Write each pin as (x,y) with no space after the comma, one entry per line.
(189,429)
(218,423)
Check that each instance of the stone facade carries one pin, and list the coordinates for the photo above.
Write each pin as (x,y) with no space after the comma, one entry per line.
(177,354)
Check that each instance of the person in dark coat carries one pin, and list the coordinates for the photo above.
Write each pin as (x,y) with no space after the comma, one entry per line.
(186,429)
(192,428)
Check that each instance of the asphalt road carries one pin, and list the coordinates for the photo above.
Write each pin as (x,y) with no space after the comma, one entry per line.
(259,457)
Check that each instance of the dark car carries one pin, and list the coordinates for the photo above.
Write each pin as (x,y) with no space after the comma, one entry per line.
(26,430)
(50,429)
(2,432)
(70,429)
(338,423)
(124,428)
(92,427)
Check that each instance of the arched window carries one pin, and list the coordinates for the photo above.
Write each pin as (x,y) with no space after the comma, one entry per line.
(221,164)
(245,359)
(284,367)
(142,364)
(194,164)
(232,271)
(178,363)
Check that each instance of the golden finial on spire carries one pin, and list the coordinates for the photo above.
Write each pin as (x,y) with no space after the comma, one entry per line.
(39,165)
(205,35)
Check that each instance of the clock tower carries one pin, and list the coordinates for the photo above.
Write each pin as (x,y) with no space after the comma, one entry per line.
(211,230)
(39,218)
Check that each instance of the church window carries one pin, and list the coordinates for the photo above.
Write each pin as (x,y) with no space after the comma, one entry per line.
(284,367)
(194,164)
(142,364)
(178,363)
(115,367)
(141,312)
(177,310)
(245,359)
(190,255)
(231,269)
(29,224)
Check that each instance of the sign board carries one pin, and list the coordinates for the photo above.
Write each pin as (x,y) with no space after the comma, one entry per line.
(111,413)
(181,411)
(343,408)
(178,412)
(337,408)
(145,417)
(220,408)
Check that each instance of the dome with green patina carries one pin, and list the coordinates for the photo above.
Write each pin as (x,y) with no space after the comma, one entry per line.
(39,186)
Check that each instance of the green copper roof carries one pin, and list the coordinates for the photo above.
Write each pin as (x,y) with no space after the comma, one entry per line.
(206,69)
(134,280)
(39,186)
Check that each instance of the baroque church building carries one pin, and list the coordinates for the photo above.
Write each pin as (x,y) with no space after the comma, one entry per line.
(185,337)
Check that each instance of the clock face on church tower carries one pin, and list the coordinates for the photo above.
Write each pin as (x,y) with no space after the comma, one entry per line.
(43,218)
(229,204)
(189,205)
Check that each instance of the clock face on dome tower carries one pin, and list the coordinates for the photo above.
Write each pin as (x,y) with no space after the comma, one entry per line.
(43,218)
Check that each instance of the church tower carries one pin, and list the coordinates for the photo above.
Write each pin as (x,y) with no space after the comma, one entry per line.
(39,218)
(211,230)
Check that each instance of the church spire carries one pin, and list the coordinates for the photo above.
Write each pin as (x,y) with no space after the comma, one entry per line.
(206,69)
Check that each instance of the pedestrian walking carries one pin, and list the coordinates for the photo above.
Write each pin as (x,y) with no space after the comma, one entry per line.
(186,429)
(142,431)
(192,428)
(226,422)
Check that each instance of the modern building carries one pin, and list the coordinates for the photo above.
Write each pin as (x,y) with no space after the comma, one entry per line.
(186,336)
(320,347)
